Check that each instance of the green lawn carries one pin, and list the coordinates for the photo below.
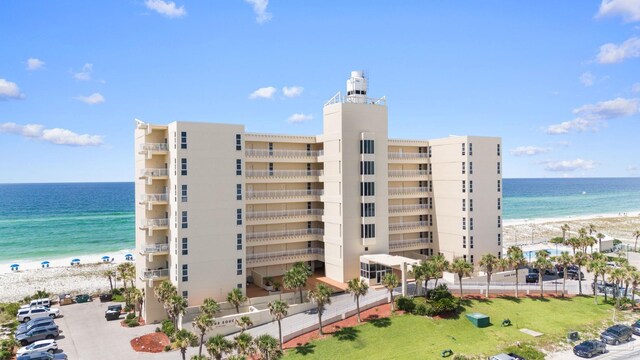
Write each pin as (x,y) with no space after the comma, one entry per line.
(412,337)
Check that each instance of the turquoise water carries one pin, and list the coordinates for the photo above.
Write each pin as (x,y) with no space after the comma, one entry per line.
(45,221)
(531,255)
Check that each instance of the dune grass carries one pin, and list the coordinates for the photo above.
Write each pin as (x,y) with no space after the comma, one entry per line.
(413,337)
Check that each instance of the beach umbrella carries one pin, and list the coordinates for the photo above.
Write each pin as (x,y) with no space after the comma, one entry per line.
(106,258)
(14,267)
(75,261)
(45,263)
(128,257)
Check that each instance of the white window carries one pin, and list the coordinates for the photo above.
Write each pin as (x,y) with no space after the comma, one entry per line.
(185,272)
(185,196)
(238,191)
(470,151)
(463,149)
(239,267)
(238,216)
(499,239)
(367,146)
(185,246)
(239,242)
(238,167)
(498,167)
(183,166)
(367,168)
(499,187)
(183,140)
(498,149)
(238,142)
(470,204)
(185,220)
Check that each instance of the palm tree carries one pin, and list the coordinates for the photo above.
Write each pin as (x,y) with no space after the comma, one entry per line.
(198,357)
(617,275)
(440,265)
(430,272)
(244,344)
(390,282)
(217,346)
(516,260)
(590,241)
(628,270)
(109,274)
(321,295)
(565,260)
(574,243)
(268,347)
(582,232)
(565,228)
(419,273)
(358,287)
(542,263)
(636,234)
(597,266)
(599,236)
(488,263)
(296,278)
(580,259)
(235,298)
(244,322)
(278,309)
(592,229)
(635,280)
(177,307)
(127,272)
(164,292)
(203,323)
(210,307)
(461,267)
(137,298)
(182,340)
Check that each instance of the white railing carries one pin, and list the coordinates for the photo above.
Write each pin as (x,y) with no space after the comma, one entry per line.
(407,208)
(283,213)
(283,193)
(338,98)
(284,254)
(155,274)
(146,198)
(284,233)
(154,147)
(407,225)
(155,248)
(397,244)
(408,155)
(407,190)
(282,153)
(154,223)
(283,173)
(149,172)
(401,173)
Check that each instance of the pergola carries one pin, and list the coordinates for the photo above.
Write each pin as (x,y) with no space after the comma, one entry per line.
(397,262)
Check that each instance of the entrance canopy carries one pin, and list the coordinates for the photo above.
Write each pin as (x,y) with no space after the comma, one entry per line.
(392,261)
(378,263)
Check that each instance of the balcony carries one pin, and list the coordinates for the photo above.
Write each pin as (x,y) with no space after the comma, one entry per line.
(283,174)
(408,173)
(298,213)
(407,155)
(283,194)
(275,237)
(408,225)
(155,249)
(401,209)
(153,173)
(152,275)
(404,191)
(282,154)
(285,257)
(408,243)
(154,199)
(150,149)
(154,224)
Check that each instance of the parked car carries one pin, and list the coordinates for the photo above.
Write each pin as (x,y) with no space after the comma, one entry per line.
(113,312)
(531,278)
(34,324)
(37,303)
(83,298)
(42,355)
(50,332)
(48,345)
(37,312)
(616,334)
(573,274)
(504,356)
(635,328)
(106,297)
(590,348)
(546,271)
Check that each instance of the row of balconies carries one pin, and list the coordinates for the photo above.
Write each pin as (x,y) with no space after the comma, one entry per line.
(277,194)
(254,153)
(395,209)
(154,224)
(285,256)
(160,274)
(407,243)
(283,173)
(254,215)
(265,236)
(408,173)
(407,225)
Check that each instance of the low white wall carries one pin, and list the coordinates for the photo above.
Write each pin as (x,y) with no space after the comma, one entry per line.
(499,277)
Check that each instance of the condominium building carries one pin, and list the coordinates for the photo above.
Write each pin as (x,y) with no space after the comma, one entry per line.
(218,207)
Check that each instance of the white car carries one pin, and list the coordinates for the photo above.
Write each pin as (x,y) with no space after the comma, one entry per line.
(48,345)
(37,312)
(37,303)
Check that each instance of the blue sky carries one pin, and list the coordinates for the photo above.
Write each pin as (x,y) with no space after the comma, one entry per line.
(558,81)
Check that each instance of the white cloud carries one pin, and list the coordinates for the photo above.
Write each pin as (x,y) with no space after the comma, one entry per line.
(629,10)
(594,116)
(612,53)
(569,165)
(529,150)
(260,9)
(85,73)
(9,90)
(95,98)
(635,88)
(292,91)
(34,64)
(55,136)
(633,169)
(298,118)
(166,8)
(263,93)
(587,79)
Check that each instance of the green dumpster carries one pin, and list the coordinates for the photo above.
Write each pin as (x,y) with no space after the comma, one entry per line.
(479,320)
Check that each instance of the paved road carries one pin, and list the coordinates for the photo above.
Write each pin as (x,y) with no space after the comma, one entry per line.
(628,351)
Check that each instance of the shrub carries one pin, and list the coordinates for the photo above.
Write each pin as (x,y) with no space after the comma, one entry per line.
(133,323)
(405,303)
(526,351)
(131,316)
(128,308)
(168,328)
(116,292)
(421,309)
(6,354)
(167,348)
(440,292)
(158,329)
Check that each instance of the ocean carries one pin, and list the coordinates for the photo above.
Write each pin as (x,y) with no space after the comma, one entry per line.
(45,221)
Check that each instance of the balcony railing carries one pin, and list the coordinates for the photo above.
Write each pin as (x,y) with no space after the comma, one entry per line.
(283,213)
(266,235)
(154,223)
(408,155)
(155,274)
(407,225)
(149,172)
(407,208)
(283,173)
(283,254)
(407,190)
(147,198)
(155,248)
(398,244)
(274,194)
(407,173)
(154,147)
(282,153)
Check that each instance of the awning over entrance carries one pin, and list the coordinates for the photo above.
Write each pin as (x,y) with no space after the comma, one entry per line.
(401,263)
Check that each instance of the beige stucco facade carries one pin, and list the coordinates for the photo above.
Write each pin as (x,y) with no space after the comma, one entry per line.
(255,204)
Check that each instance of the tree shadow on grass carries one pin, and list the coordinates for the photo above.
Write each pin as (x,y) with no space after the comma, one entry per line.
(538,298)
(379,322)
(346,334)
(510,298)
(305,349)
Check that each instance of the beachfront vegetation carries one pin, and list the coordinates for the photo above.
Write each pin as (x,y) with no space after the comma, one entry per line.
(461,268)
(321,295)
(182,340)
(390,282)
(278,309)
(358,287)
(236,298)
(296,278)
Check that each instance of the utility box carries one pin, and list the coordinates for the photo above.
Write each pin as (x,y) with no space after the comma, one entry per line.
(479,320)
